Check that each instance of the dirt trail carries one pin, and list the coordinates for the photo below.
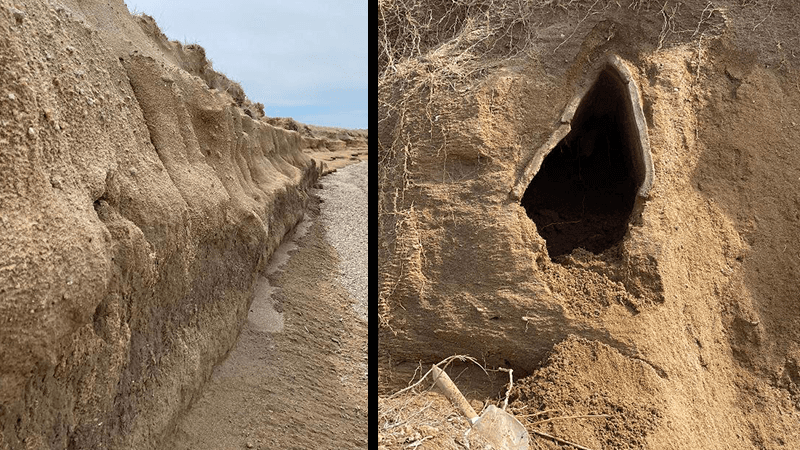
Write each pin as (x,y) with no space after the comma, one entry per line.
(296,377)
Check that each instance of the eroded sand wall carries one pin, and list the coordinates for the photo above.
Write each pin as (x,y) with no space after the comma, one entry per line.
(137,206)
(699,298)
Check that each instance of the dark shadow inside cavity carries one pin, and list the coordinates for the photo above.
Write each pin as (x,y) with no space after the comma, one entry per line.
(585,190)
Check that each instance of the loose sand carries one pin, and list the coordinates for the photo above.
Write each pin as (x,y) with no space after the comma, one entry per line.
(297,376)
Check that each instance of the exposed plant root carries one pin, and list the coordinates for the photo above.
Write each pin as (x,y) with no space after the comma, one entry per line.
(559,440)
(403,411)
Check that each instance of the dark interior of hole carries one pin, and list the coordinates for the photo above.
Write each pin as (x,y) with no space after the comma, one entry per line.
(584,191)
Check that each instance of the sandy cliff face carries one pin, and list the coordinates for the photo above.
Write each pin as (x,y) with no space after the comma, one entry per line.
(137,206)
(685,330)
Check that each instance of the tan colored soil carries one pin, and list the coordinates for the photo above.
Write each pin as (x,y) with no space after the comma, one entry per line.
(337,159)
(294,385)
(686,332)
(141,195)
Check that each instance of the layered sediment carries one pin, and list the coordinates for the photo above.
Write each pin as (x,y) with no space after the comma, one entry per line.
(138,204)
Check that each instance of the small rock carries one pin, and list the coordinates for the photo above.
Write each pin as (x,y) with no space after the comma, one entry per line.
(31,132)
(734,73)
(249,444)
(12,97)
(133,171)
(70,49)
(19,16)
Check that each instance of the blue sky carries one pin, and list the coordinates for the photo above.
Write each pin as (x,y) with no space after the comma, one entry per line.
(306,60)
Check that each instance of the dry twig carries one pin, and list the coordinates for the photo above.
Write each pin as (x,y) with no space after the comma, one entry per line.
(771,7)
(587,416)
(669,23)
(446,363)
(538,413)
(418,442)
(588,13)
(559,440)
(510,385)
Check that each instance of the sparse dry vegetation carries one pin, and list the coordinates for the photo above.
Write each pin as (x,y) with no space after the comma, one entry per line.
(410,416)
(430,51)
(192,58)
(468,91)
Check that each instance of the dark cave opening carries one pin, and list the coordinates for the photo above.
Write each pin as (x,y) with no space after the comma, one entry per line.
(584,192)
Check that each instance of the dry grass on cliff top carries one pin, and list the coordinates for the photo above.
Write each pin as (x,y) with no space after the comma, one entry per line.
(460,38)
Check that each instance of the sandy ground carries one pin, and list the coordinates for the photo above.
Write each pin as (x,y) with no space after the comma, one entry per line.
(338,159)
(345,204)
(297,376)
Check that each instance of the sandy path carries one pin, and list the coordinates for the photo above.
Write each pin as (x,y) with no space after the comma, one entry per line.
(297,376)
(345,206)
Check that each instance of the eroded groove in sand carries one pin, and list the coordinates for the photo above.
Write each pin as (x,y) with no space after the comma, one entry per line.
(266,312)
